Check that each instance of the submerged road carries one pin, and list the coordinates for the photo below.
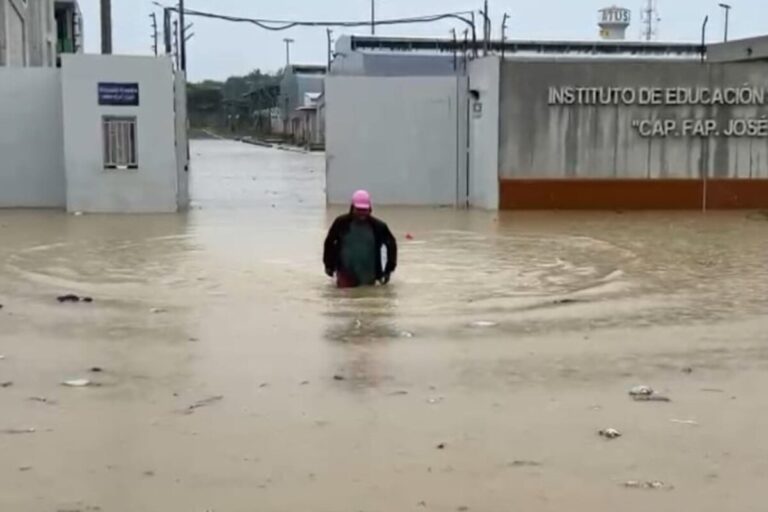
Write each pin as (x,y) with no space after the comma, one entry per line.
(235,378)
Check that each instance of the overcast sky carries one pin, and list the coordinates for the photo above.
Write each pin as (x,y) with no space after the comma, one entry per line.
(220,49)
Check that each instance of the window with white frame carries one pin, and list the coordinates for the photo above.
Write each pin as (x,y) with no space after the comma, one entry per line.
(120,151)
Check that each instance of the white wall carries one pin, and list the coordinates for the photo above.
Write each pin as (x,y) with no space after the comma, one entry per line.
(403,139)
(31,142)
(182,141)
(91,188)
(484,134)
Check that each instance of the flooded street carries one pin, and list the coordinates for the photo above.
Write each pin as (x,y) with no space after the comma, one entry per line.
(235,378)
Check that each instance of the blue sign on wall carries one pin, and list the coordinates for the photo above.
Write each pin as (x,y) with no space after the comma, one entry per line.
(119,94)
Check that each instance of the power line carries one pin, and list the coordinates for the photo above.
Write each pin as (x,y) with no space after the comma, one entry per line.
(280,25)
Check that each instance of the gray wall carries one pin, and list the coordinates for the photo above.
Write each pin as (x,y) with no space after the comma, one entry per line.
(484,134)
(404,139)
(739,50)
(31,142)
(27,33)
(91,188)
(182,140)
(542,141)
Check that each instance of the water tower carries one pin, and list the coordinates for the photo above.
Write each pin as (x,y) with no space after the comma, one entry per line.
(613,22)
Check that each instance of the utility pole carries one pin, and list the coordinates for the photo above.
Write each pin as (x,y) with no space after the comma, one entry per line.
(486,28)
(154,32)
(106,27)
(373,17)
(183,37)
(167,36)
(455,49)
(504,35)
(329,33)
(177,46)
(288,42)
(727,9)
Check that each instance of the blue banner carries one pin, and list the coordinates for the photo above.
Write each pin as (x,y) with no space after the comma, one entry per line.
(119,94)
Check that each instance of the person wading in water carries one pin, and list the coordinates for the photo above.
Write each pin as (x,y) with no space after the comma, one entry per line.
(353,246)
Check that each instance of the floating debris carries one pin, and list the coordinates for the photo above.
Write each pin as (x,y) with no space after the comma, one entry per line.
(435,400)
(441,446)
(651,398)
(687,370)
(406,334)
(97,369)
(650,484)
(400,392)
(77,383)
(483,324)
(304,383)
(339,377)
(609,433)
(25,468)
(685,422)
(264,385)
(646,394)
(641,391)
(6,384)
(563,302)
(524,464)
(157,311)
(203,403)
(70,297)
(18,431)
(42,400)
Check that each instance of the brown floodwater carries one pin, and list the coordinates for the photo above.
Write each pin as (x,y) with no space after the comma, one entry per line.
(476,381)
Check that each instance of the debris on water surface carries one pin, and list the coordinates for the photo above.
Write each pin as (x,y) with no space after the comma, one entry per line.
(641,391)
(408,236)
(406,334)
(441,446)
(77,383)
(264,385)
(156,311)
(563,302)
(435,400)
(400,392)
(304,383)
(42,400)
(483,324)
(685,422)
(463,509)
(651,398)
(339,377)
(70,297)
(687,370)
(646,394)
(25,468)
(97,369)
(6,384)
(524,464)
(204,403)
(649,484)
(609,433)
(18,431)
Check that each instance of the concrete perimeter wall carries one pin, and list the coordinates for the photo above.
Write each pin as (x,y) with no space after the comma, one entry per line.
(153,186)
(484,133)
(637,149)
(31,141)
(402,138)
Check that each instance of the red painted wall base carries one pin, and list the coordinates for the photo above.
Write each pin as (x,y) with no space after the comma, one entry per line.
(621,194)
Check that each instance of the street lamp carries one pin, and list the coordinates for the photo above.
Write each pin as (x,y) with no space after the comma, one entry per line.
(727,9)
(288,42)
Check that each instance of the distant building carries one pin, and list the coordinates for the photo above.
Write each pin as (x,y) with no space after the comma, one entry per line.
(298,80)
(353,59)
(35,33)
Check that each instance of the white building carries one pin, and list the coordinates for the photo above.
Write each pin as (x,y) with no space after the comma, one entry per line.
(102,134)
(34,33)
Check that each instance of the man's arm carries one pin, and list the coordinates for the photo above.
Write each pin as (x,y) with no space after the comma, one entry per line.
(330,250)
(391,244)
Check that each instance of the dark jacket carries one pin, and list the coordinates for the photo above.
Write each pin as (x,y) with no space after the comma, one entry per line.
(382,236)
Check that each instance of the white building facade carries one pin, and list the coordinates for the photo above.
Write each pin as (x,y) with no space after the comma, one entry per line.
(103,134)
